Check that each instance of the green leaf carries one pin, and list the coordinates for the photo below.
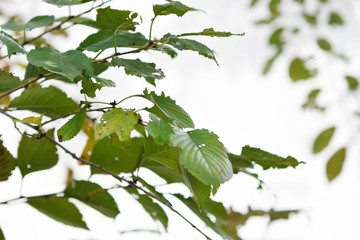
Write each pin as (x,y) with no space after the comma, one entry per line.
(298,70)
(324,44)
(335,164)
(7,163)
(72,127)
(335,19)
(323,140)
(36,154)
(139,68)
(153,209)
(94,196)
(311,100)
(170,109)
(153,191)
(2,237)
(103,40)
(117,121)
(8,81)
(12,44)
(203,155)
(268,160)
(276,38)
(104,82)
(36,22)
(239,162)
(33,120)
(310,19)
(59,209)
(82,21)
(210,32)
(352,81)
(116,19)
(216,209)
(159,129)
(70,64)
(89,87)
(271,61)
(61,3)
(276,215)
(171,8)
(117,157)
(50,101)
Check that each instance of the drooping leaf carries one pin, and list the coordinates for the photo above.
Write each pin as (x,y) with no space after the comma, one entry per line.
(117,19)
(139,68)
(61,3)
(72,127)
(36,22)
(170,109)
(159,129)
(33,120)
(94,196)
(352,81)
(104,82)
(59,209)
(268,160)
(335,19)
(117,121)
(50,101)
(7,163)
(216,209)
(210,32)
(8,81)
(12,44)
(298,70)
(70,64)
(323,140)
(153,209)
(324,44)
(203,155)
(335,164)
(36,154)
(173,7)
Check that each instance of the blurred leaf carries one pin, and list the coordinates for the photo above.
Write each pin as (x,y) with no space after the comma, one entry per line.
(324,1)
(298,70)
(335,164)
(89,130)
(210,32)
(59,209)
(311,101)
(83,21)
(72,127)
(36,22)
(335,19)
(216,209)
(270,62)
(310,19)
(276,215)
(12,44)
(353,83)
(171,8)
(5,101)
(153,191)
(7,163)
(2,237)
(276,38)
(159,129)
(61,3)
(8,81)
(94,196)
(239,162)
(324,44)
(253,3)
(116,19)
(323,140)
(34,120)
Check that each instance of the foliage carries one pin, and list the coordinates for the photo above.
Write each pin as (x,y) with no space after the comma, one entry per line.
(121,141)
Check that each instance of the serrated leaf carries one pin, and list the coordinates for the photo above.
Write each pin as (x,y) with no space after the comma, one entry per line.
(12,44)
(159,129)
(335,19)
(7,163)
(139,68)
(210,32)
(335,164)
(50,101)
(324,44)
(170,109)
(116,19)
(61,3)
(118,157)
(8,81)
(59,209)
(153,209)
(239,162)
(268,160)
(36,154)
(36,22)
(94,196)
(323,140)
(72,127)
(173,7)
(203,155)
(104,82)
(353,83)
(298,70)
(116,121)
(70,64)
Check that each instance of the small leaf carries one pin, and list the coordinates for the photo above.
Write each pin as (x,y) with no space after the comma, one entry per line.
(353,83)
(72,127)
(298,70)
(311,100)
(173,7)
(116,121)
(139,68)
(159,129)
(310,19)
(89,87)
(276,38)
(323,140)
(61,3)
(104,82)
(324,44)
(335,164)
(12,44)
(34,120)
(83,21)
(8,81)
(70,64)
(116,19)
(335,19)
(36,22)
(50,101)
(276,215)
(7,163)
(216,209)
(210,32)
(59,209)
(94,196)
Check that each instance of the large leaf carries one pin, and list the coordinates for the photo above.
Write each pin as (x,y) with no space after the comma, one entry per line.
(117,121)
(116,19)
(159,129)
(61,3)
(203,155)
(323,140)
(36,154)
(70,64)
(173,7)
(59,209)
(72,127)
(298,70)
(93,195)
(12,44)
(8,81)
(139,68)
(335,164)
(50,101)
(170,109)
(36,22)
(210,32)
(268,160)
(153,209)
(7,163)
(117,157)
